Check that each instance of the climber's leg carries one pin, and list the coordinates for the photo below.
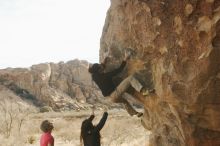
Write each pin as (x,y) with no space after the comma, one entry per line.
(139,97)
(126,84)
(131,111)
(130,81)
(128,107)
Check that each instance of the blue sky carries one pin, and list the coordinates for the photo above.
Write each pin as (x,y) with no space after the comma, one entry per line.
(37,31)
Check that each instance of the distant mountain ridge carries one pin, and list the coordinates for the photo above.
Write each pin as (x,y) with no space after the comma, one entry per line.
(61,86)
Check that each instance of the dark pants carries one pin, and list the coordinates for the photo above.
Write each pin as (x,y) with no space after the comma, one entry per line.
(118,95)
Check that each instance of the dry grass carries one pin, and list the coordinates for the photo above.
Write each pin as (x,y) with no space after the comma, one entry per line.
(120,129)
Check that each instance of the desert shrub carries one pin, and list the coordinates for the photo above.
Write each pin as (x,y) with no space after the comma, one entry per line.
(45,109)
(12,117)
(31,139)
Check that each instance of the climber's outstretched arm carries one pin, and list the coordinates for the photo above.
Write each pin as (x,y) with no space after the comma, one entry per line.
(101,122)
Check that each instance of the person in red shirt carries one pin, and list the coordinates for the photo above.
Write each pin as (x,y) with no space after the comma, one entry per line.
(46,138)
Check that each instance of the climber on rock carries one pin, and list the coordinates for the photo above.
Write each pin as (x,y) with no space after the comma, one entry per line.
(115,92)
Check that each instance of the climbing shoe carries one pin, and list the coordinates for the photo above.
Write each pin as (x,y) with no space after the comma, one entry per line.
(139,114)
(146,92)
(152,91)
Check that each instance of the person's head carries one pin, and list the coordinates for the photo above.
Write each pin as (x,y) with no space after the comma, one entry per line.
(46,126)
(96,68)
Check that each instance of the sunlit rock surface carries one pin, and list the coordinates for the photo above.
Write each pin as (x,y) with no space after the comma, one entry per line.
(61,86)
(178,43)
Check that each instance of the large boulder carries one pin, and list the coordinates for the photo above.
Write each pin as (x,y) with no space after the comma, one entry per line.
(177,43)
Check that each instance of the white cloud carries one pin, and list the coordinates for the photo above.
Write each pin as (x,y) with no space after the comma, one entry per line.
(36,31)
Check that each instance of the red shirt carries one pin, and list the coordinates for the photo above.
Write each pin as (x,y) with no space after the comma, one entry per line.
(46,138)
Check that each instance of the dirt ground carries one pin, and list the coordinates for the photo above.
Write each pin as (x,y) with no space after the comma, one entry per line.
(119,130)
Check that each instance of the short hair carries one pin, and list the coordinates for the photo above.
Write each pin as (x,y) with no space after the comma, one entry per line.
(94,68)
(46,126)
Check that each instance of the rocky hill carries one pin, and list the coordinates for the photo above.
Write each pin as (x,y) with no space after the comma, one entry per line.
(177,42)
(61,86)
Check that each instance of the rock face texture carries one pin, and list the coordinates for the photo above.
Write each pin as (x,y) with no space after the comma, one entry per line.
(60,86)
(177,44)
